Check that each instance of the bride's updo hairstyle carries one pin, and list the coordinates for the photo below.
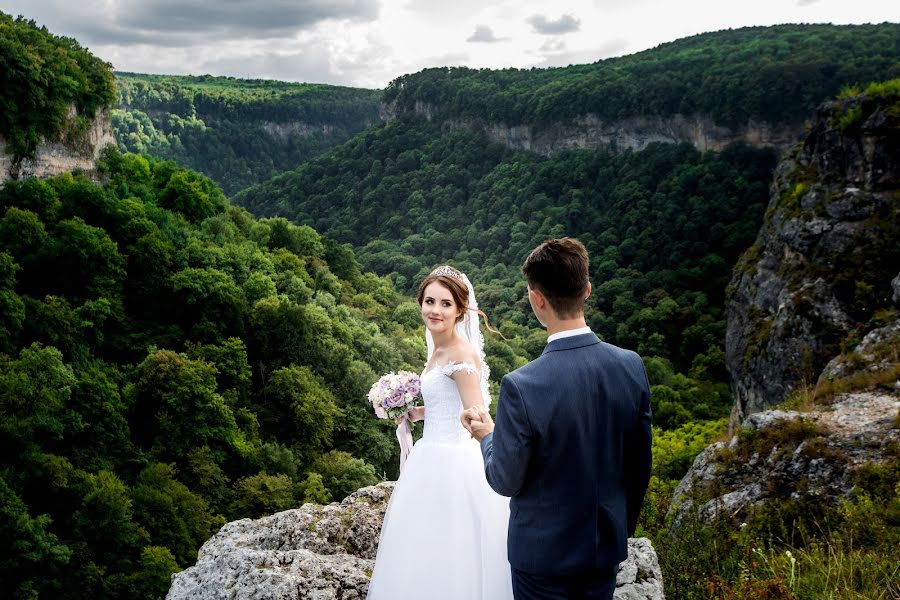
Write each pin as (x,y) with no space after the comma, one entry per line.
(452,279)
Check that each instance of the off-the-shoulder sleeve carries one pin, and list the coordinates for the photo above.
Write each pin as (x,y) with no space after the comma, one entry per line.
(452,367)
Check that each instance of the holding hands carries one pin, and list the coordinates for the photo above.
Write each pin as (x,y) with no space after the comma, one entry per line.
(477,421)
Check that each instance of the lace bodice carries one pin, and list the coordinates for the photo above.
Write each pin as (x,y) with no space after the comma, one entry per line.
(443,403)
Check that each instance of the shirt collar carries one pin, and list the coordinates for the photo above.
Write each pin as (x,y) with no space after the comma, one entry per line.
(568,333)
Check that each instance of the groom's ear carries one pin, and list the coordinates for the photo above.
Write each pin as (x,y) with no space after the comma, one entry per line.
(537,298)
(587,293)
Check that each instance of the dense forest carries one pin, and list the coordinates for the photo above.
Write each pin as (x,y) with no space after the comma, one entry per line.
(168,363)
(42,78)
(664,227)
(236,131)
(774,74)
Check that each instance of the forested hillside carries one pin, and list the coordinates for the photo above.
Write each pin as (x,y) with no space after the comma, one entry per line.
(664,227)
(42,78)
(774,74)
(168,363)
(236,131)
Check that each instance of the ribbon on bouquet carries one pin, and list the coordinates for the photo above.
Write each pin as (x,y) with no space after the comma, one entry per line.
(404,436)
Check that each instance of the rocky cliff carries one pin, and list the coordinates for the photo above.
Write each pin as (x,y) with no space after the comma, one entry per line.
(789,454)
(53,157)
(633,133)
(327,552)
(819,276)
(850,421)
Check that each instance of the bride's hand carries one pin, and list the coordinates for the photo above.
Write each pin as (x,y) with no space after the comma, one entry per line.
(414,414)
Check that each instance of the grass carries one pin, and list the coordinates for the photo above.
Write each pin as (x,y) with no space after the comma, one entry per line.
(809,397)
(784,438)
(793,549)
(829,570)
(794,546)
(848,118)
(860,378)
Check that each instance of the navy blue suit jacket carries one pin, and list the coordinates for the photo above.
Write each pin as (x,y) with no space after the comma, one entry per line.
(571,446)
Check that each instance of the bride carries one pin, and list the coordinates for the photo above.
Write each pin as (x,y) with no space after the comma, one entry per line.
(444,532)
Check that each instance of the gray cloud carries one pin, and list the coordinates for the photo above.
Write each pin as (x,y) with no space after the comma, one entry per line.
(806,2)
(175,23)
(544,26)
(483,33)
(238,15)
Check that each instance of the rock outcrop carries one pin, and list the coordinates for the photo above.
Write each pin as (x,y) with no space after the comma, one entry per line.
(785,454)
(327,552)
(55,157)
(822,265)
(632,133)
(286,130)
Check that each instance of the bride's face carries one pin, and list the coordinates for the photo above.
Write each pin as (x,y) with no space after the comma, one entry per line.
(439,310)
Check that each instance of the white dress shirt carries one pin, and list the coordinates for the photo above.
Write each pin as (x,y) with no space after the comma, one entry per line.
(568,333)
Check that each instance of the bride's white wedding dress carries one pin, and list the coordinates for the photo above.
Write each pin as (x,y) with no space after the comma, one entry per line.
(444,532)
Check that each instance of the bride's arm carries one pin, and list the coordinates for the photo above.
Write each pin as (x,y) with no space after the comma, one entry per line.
(469,388)
(466,378)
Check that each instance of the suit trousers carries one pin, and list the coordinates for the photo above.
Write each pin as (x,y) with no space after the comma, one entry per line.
(596,585)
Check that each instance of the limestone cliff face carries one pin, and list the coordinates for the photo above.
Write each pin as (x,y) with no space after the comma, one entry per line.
(55,157)
(327,552)
(633,133)
(822,265)
(287,130)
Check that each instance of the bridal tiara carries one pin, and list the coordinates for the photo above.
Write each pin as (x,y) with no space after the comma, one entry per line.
(447,271)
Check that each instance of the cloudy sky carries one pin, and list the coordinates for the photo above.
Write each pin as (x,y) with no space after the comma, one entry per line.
(367,43)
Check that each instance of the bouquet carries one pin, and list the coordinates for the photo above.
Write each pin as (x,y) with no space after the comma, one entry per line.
(392,396)
(395,393)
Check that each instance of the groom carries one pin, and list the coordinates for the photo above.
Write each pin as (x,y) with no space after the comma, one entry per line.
(571,444)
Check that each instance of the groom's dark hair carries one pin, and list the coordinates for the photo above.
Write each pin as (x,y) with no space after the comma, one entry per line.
(558,269)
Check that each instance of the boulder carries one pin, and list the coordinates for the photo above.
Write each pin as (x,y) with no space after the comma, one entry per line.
(787,454)
(327,552)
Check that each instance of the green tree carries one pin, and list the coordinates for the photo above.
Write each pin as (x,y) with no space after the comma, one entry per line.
(153,578)
(343,474)
(262,494)
(300,408)
(171,514)
(192,195)
(313,490)
(177,408)
(31,556)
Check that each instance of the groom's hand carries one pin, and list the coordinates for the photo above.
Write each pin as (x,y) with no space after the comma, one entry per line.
(482,425)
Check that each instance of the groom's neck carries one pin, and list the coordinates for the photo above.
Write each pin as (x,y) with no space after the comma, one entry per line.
(555,325)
